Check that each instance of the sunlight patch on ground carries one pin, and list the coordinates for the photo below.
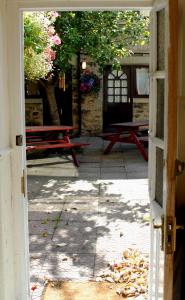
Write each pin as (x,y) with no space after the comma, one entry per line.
(50,183)
(82,185)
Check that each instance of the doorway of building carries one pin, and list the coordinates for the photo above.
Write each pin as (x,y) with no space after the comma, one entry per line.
(117,103)
(121,91)
(17,116)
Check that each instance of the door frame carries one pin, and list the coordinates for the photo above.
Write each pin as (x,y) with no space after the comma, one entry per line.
(108,69)
(171,132)
(13,45)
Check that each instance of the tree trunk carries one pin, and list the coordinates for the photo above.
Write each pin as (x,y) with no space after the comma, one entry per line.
(50,93)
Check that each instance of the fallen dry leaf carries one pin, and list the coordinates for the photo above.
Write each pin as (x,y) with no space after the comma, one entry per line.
(45,234)
(131,272)
(45,221)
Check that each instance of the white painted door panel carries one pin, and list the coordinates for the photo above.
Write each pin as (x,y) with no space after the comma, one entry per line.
(161,155)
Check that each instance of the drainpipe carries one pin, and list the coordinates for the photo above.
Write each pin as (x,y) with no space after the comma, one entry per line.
(79,94)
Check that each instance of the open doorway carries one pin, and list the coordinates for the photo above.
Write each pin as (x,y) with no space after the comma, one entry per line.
(82,219)
(16,96)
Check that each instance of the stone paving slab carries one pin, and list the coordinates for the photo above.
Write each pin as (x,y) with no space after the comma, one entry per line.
(82,216)
(45,206)
(121,211)
(36,264)
(129,189)
(128,236)
(34,186)
(135,167)
(40,243)
(44,216)
(80,187)
(137,175)
(65,159)
(109,175)
(57,170)
(66,265)
(132,155)
(80,206)
(89,176)
(90,158)
(95,215)
(86,198)
(41,227)
(76,237)
(89,165)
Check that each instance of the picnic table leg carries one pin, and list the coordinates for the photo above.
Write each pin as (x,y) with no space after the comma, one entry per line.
(75,160)
(139,145)
(113,141)
(109,147)
(73,154)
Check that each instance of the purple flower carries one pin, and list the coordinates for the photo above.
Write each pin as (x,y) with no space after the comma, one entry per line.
(89,82)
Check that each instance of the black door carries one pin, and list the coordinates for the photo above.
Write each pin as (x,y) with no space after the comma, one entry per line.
(117,100)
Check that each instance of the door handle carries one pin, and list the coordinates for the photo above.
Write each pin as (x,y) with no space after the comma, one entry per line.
(168,230)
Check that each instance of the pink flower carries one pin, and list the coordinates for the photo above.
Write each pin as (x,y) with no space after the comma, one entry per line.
(54,14)
(51,30)
(56,40)
(50,54)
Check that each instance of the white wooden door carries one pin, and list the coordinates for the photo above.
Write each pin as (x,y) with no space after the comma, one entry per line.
(14,206)
(163,113)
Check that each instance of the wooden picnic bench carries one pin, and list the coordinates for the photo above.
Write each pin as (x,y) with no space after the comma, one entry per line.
(46,138)
(128,132)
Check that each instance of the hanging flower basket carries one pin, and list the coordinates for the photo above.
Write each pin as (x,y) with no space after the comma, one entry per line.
(89,82)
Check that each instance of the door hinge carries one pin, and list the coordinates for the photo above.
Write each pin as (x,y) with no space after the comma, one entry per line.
(23,184)
(179,167)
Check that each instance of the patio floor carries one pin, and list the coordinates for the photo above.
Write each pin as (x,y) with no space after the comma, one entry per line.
(81,219)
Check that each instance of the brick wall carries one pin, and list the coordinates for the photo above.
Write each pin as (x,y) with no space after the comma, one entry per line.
(34,112)
(91,104)
(140,109)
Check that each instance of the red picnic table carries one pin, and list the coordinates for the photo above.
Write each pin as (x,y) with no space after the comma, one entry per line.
(48,137)
(128,132)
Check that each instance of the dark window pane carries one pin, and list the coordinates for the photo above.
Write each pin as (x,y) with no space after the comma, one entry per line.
(110,99)
(110,91)
(123,99)
(161,40)
(159,177)
(117,99)
(160,108)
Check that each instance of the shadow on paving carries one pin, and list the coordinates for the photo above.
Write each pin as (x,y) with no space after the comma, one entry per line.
(79,225)
(80,235)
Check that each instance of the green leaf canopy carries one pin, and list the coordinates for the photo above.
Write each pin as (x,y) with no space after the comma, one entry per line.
(104,36)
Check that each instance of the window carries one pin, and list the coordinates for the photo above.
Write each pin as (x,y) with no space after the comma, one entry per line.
(117,87)
(140,81)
